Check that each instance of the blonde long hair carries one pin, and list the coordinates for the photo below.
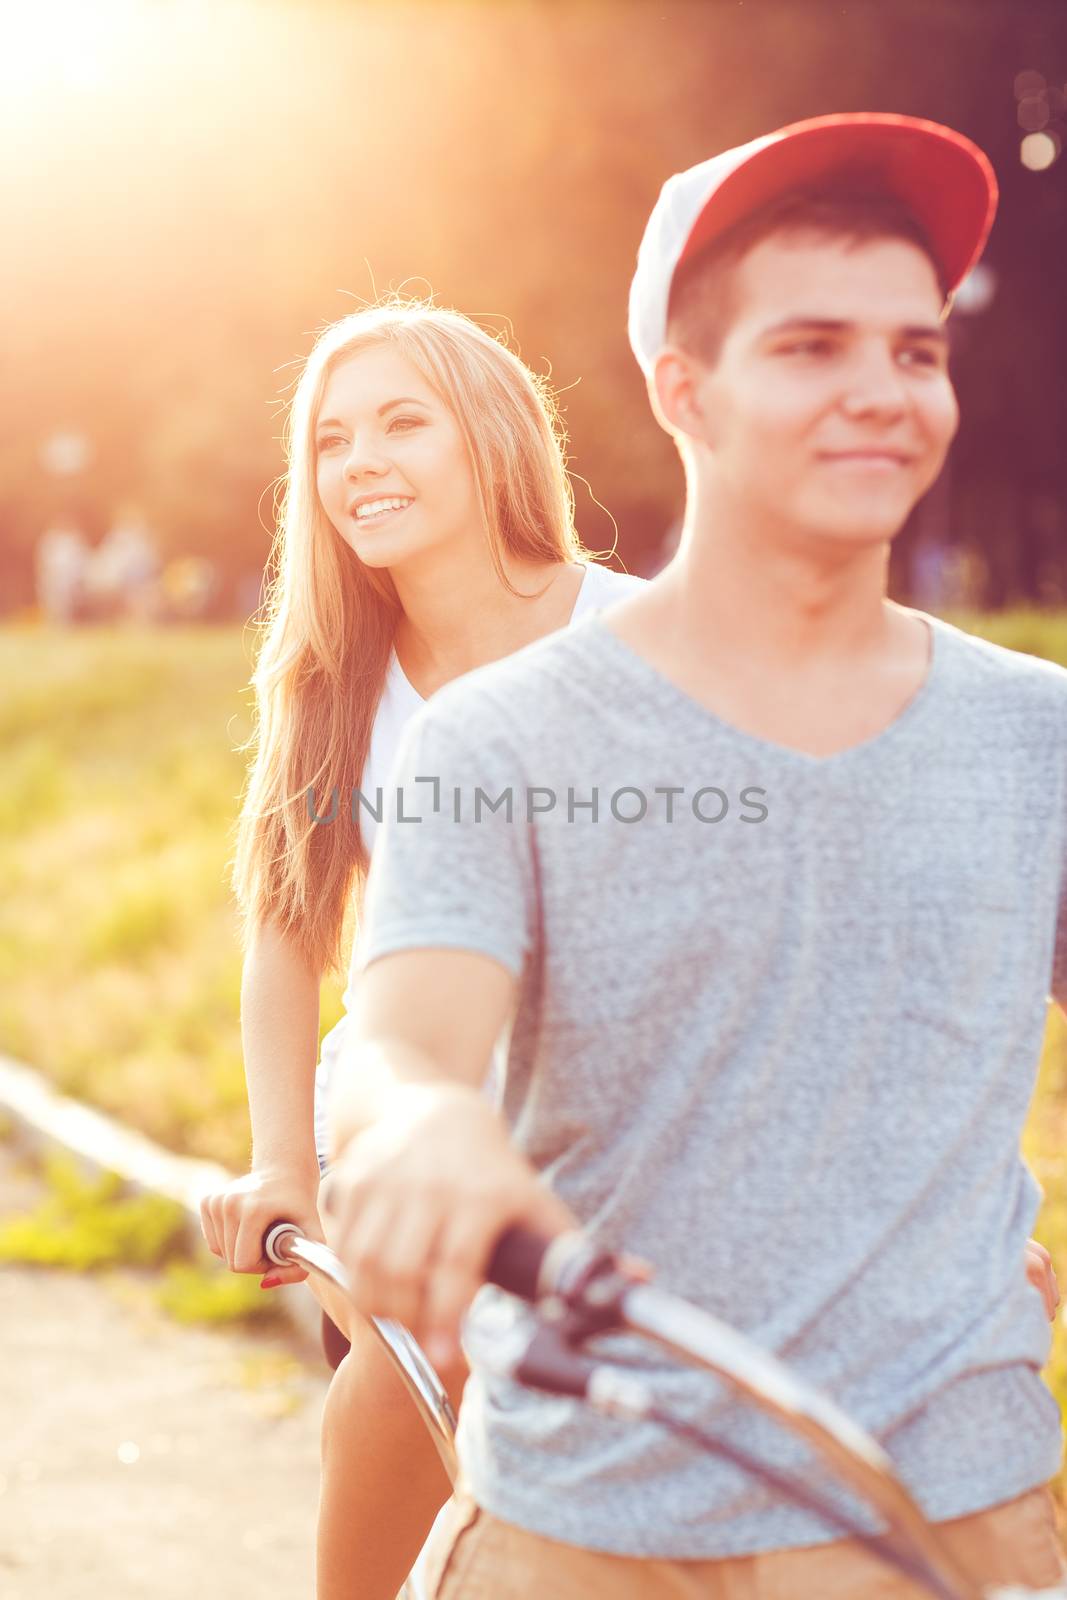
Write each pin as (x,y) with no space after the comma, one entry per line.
(327,623)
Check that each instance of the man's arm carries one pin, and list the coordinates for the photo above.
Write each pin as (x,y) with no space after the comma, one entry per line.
(420,1016)
(426,1179)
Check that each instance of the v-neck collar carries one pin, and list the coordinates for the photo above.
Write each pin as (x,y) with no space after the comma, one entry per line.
(656,687)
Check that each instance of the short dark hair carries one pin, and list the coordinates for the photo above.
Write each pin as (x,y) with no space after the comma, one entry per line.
(699,310)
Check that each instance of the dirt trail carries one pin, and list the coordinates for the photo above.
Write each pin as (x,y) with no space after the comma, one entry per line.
(140,1458)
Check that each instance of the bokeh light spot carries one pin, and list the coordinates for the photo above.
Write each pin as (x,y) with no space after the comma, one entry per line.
(975,294)
(1039,150)
(1029,83)
(1033,113)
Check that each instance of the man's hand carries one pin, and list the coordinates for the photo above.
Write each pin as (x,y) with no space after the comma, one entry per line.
(416,1202)
(1041,1274)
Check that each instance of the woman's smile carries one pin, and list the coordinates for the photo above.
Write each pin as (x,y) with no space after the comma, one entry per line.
(367,512)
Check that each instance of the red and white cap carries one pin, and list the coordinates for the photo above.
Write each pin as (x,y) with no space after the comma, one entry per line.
(946,182)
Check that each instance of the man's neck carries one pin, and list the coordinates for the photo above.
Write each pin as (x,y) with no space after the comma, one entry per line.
(800,650)
(778,598)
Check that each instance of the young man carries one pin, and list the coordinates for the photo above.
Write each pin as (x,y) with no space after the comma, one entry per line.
(774,918)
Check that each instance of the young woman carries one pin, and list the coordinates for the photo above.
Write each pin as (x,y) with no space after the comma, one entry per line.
(427,527)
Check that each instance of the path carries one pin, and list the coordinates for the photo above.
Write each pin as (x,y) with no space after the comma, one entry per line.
(141,1458)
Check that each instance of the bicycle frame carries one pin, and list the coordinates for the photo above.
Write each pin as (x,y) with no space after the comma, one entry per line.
(285,1244)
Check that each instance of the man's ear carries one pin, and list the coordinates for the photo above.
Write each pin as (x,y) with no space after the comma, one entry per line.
(675,392)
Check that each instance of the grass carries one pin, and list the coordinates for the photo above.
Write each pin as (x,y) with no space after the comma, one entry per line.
(1045,1148)
(87,1224)
(204,1293)
(119,965)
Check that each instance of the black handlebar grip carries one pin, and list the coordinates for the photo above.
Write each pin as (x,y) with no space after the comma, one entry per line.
(516,1261)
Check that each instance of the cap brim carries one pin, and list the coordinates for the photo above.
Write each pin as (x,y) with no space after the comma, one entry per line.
(946,182)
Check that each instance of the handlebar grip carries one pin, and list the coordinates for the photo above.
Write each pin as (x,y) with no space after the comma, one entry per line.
(273,1237)
(516,1262)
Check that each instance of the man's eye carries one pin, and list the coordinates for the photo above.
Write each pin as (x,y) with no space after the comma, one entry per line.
(920,356)
(807,347)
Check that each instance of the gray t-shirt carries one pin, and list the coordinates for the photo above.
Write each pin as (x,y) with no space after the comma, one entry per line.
(781,1045)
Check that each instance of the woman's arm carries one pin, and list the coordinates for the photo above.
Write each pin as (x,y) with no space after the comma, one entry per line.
(279,1032)
(280,1036)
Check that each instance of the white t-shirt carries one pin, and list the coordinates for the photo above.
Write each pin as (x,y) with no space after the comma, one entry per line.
(600,587)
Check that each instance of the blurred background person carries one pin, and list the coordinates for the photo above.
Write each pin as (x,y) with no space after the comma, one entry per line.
(121,575)
(62,565)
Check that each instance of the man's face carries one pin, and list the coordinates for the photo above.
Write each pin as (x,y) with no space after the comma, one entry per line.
(830,407)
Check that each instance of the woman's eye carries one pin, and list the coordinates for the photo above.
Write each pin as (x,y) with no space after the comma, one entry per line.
(328,440)
(403,423)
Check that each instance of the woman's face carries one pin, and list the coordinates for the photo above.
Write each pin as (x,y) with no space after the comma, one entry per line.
(392,469)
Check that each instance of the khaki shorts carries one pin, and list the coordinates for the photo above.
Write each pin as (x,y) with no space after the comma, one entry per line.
(475,1556)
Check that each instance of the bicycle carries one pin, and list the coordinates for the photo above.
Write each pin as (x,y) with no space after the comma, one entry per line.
(577,1292)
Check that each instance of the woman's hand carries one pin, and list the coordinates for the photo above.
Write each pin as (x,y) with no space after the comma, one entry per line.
(234,1219)
(1040,1271)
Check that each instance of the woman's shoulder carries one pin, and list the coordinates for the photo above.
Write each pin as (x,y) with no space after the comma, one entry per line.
(603,585)
(398,704)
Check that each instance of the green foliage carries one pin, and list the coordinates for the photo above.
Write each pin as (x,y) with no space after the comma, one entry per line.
(84,1223)
(122,786)
(196,1294)
(135,924)
(35,785)
(1045,1148)
(523,207)
(1035,630)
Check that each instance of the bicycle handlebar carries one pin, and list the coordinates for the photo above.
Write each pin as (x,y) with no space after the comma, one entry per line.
(569,1273)
(518,1264)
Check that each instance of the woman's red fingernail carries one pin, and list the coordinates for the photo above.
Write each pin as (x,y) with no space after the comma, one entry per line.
(269,1283)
